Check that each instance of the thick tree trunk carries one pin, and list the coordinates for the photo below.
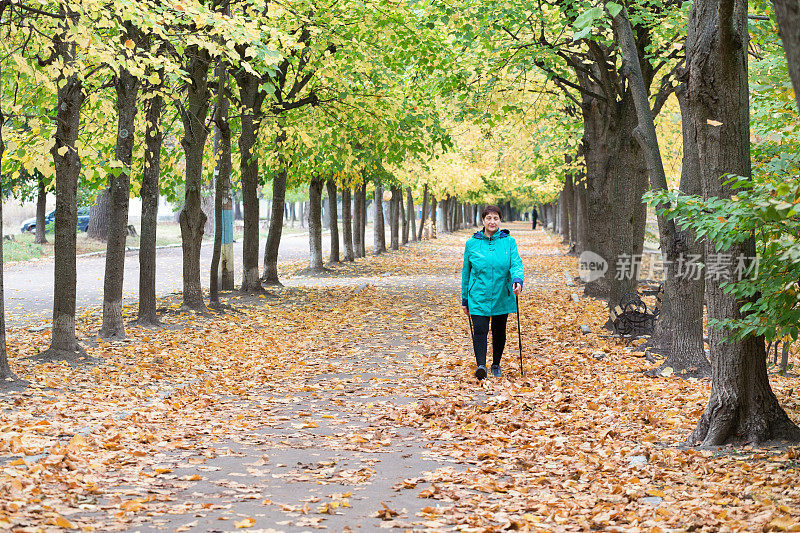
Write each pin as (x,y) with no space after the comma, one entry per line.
(153,139)
(41,211)
(71,97)
(252,100)
(394,217)
(411,213)
(680,326)
(127,88)
(616,179)
(276,219)
(423,212)
(347,224)
(379,237)
(192,219)
(742,406)
(222,193)
(100,216)
(333,216)
(788,14)
(315,225)
(237,212)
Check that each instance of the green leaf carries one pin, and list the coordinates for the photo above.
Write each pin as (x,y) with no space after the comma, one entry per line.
(613,9)
(588,17)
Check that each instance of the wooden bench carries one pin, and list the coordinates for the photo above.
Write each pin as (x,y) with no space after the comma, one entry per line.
(632,317)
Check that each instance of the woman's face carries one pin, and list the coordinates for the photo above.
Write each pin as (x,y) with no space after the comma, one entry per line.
(491,221)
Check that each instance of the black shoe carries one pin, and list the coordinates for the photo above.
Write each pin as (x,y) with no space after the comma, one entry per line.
(496,371)
(481,372)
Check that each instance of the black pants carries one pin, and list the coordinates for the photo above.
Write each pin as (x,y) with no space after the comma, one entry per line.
(481,333)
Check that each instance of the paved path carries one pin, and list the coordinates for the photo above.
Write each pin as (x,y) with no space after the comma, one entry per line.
(29,286)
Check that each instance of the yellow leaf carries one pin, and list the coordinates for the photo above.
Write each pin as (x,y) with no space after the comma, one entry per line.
(243,524)
(62,151)
(785,523)
(713,122)
(655,492)
(130,44)
(63,522)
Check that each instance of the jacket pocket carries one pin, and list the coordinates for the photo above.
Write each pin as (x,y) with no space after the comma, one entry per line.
(471,284)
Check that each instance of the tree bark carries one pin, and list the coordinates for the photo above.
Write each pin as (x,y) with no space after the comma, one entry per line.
(403,216)
(127,88)
(7,377)
(394,217)
(742,406)
(192,219)
(363,223)
(333,218)
(276,219)
(379,240)
(615,181)
(569,199)
(680,324)
(424,212)
(41,211)
(100,216)
(357,208)
(315,225)
(347,224)
(71,97)
(153,139)
(222,193)
(788,14)
(411,213)
(434,217)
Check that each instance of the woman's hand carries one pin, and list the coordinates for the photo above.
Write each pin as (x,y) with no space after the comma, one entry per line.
(466,309)
(517,289)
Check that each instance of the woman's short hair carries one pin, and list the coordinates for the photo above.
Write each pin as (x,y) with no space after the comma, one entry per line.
(491,209)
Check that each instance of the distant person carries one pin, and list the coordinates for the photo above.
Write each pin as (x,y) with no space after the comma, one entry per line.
(534,218)
(491,278)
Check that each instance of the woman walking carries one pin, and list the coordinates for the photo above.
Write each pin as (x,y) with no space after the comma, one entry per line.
(491,278)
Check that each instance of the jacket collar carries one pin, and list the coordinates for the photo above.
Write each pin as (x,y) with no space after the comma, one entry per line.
(498,235)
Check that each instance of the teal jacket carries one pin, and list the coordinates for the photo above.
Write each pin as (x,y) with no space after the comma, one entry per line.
(491,267)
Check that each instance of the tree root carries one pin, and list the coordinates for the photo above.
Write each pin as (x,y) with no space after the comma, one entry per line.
(52,355)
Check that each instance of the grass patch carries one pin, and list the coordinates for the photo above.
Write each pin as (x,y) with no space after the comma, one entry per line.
(22,248)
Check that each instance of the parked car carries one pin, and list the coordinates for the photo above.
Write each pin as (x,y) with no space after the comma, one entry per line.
(83,220)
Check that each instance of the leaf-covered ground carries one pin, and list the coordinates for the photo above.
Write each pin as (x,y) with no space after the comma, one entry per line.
(347,402)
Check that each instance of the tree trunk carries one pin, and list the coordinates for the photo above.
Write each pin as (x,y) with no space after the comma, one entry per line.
(333,216)
(237,212)
(411,213)
(100,216)
(571,214)
(680,325)
(153,139)
(293,210)
(303,214)
(41,211)
(788,14)
(127,88)
(192,219)
(315,225)
(363,223)
(71,97)
(6,375)
(222,192)
(379,240)
(276,219)
(358,206)
(434,217)
(403,216)
(394,217)
(347,225)
(423,212)
(742,406)
(616,179)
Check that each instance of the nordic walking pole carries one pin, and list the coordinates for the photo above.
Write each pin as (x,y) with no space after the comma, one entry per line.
(471,335)
(519,334)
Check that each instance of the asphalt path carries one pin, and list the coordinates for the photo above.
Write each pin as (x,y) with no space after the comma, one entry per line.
(29,286)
